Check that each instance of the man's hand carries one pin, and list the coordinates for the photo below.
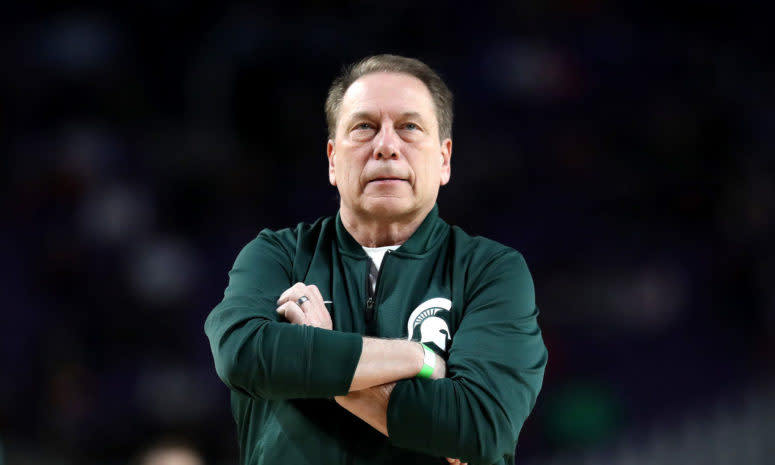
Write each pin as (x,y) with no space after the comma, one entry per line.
(303,305)
(370,405)
(456,461)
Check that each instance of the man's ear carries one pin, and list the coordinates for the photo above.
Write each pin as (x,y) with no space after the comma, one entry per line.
(331,154)
(446,161)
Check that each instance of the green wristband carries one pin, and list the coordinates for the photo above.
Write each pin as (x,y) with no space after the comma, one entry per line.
(429,362)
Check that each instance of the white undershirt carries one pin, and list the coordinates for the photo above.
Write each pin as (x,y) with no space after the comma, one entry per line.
(377,254)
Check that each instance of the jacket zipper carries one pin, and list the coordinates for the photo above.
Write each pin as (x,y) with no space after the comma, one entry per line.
(369,308)
(371,301)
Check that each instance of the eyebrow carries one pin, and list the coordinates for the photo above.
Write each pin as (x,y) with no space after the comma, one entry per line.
(370,115)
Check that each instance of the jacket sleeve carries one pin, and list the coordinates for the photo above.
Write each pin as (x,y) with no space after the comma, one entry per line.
(495,368)
(257,354)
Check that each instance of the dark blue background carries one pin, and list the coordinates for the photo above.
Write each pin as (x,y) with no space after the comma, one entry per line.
(627,152)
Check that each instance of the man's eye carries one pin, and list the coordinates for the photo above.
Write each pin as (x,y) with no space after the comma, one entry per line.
(410,126)
(363,126)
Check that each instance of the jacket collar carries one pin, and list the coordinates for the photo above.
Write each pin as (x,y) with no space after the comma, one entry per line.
(432,231)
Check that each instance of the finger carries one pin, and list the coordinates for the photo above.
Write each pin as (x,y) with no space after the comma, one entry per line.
(292,313)
(281,309)
(319,312)
(302,292)
(295,290)
(316,299)
(314,294)
(292,293)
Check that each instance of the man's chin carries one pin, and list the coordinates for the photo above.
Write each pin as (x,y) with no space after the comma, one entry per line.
(388,207)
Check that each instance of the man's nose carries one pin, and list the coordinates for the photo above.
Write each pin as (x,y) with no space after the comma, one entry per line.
(386,143)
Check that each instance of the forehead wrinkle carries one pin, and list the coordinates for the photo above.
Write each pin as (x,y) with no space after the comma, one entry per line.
(375,115)
(372,97)
(364,115)
(411,114)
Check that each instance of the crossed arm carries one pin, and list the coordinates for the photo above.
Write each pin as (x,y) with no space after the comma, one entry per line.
(498,358)
(381,364)
(382,360)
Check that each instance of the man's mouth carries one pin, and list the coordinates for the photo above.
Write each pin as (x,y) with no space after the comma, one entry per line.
(387,180)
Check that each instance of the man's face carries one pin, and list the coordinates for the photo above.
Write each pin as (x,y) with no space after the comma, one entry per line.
(387,160)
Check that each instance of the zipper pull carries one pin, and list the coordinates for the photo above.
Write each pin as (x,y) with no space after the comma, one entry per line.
(370,309)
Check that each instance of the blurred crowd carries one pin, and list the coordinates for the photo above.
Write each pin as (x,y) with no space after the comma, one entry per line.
(627,152)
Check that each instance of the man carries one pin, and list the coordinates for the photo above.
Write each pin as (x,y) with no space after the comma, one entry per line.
(321,326)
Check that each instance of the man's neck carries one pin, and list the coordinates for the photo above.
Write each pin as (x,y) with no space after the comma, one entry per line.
(379,232)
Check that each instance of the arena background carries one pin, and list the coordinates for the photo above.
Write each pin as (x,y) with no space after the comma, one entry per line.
(627,152)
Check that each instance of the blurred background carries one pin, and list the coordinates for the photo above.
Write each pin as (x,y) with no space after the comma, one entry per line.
(627,152)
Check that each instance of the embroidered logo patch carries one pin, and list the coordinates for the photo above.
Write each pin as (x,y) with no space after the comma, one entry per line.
(428,323)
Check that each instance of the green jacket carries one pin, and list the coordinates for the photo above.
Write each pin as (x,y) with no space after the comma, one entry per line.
(470,298)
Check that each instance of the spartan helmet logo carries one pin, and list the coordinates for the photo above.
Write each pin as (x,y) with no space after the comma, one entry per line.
(428,322)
